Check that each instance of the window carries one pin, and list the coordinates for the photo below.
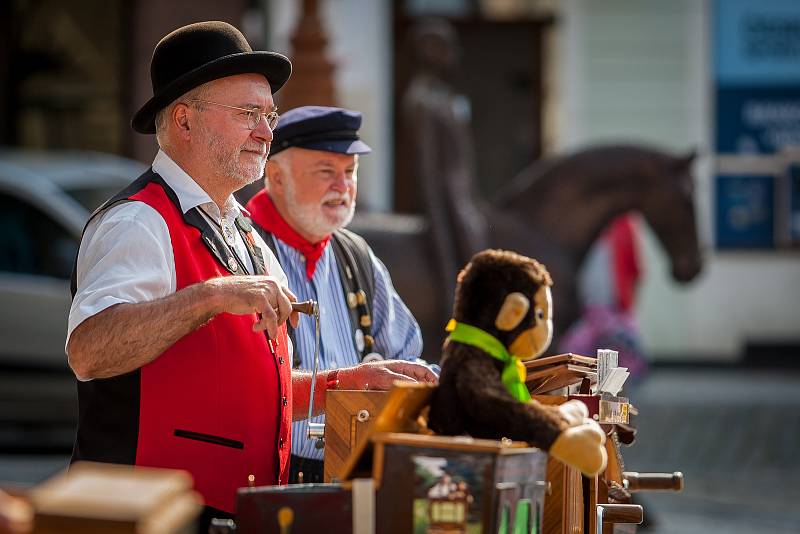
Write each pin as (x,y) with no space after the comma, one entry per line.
(32,243)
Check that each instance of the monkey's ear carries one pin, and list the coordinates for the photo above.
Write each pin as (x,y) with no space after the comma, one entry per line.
(513,310)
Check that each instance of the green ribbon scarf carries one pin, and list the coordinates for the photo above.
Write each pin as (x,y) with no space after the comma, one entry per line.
(513,375)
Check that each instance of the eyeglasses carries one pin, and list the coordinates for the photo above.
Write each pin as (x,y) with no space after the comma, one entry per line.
(253,116)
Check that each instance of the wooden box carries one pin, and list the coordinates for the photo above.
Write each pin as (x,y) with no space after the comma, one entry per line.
(456,484)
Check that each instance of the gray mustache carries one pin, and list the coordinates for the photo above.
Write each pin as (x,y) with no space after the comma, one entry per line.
(260,149)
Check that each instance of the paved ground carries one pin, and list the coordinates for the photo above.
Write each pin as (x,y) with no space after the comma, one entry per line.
(735,434)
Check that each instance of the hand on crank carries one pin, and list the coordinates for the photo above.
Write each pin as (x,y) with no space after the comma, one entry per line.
(262,295)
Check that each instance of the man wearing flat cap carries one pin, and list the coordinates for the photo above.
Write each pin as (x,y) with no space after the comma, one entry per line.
(177,331)
(309,197)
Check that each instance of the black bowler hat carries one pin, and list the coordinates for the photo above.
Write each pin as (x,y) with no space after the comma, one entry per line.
(319,128)
(198,53)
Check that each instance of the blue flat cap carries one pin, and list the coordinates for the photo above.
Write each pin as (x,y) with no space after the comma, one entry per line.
(320,128)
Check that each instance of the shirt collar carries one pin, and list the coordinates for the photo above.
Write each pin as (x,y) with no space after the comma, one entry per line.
(190,194)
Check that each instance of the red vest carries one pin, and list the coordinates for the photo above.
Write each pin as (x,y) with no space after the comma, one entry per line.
(218,402)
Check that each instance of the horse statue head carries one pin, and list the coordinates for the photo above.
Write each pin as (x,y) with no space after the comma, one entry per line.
(553,211)
(669,209)
(564,204)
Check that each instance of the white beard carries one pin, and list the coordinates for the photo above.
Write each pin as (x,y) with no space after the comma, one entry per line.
(311,218)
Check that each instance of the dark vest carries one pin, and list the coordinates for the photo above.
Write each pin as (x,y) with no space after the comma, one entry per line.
(218,402)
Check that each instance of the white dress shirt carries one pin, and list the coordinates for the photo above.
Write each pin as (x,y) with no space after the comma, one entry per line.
(126,253)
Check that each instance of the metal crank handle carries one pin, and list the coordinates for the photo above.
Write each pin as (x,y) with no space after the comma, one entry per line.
(307,306)
(634,481)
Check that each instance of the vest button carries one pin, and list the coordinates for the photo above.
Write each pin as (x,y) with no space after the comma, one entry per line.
(285,401)
(280,360)
(280,443)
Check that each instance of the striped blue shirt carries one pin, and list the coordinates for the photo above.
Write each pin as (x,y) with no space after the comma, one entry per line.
(396,333)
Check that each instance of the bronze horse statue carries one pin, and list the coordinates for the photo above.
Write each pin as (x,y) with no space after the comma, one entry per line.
(553,211)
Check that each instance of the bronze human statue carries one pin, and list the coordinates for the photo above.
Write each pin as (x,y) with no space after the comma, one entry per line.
(438,143)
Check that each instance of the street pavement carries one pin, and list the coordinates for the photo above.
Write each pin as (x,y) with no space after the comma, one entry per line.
(735,434)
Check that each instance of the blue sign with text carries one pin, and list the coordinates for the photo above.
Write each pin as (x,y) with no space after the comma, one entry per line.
(745,206)
(757,70)
(757,42)
(757,120)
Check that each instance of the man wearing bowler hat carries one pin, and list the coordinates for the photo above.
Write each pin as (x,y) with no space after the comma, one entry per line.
(309,197)
(177,329)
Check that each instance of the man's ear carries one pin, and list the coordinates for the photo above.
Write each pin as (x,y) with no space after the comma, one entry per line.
(273,174)
(180,118)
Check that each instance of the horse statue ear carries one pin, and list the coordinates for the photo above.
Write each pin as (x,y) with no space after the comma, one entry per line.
(514,308)
(684,162)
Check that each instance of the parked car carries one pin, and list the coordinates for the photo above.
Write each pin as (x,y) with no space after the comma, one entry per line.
(45,200)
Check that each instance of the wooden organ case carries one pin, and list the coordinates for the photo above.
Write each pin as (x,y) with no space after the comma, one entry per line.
(382,437)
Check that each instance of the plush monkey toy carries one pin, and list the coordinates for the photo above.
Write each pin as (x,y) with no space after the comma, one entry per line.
(501,317)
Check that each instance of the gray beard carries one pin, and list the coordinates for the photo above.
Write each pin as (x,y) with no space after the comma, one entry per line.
(231,165)
(310,218)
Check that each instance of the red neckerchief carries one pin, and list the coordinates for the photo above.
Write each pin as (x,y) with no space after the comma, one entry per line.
(264,213)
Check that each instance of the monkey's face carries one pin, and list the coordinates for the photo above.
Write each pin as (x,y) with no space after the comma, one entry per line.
(531,343)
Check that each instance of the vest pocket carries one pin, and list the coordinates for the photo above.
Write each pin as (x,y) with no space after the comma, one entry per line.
(208,438)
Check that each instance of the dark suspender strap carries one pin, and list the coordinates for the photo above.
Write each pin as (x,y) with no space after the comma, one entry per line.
(365,270)
(246,230)
(358,284)
(270,241)
(211,236)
